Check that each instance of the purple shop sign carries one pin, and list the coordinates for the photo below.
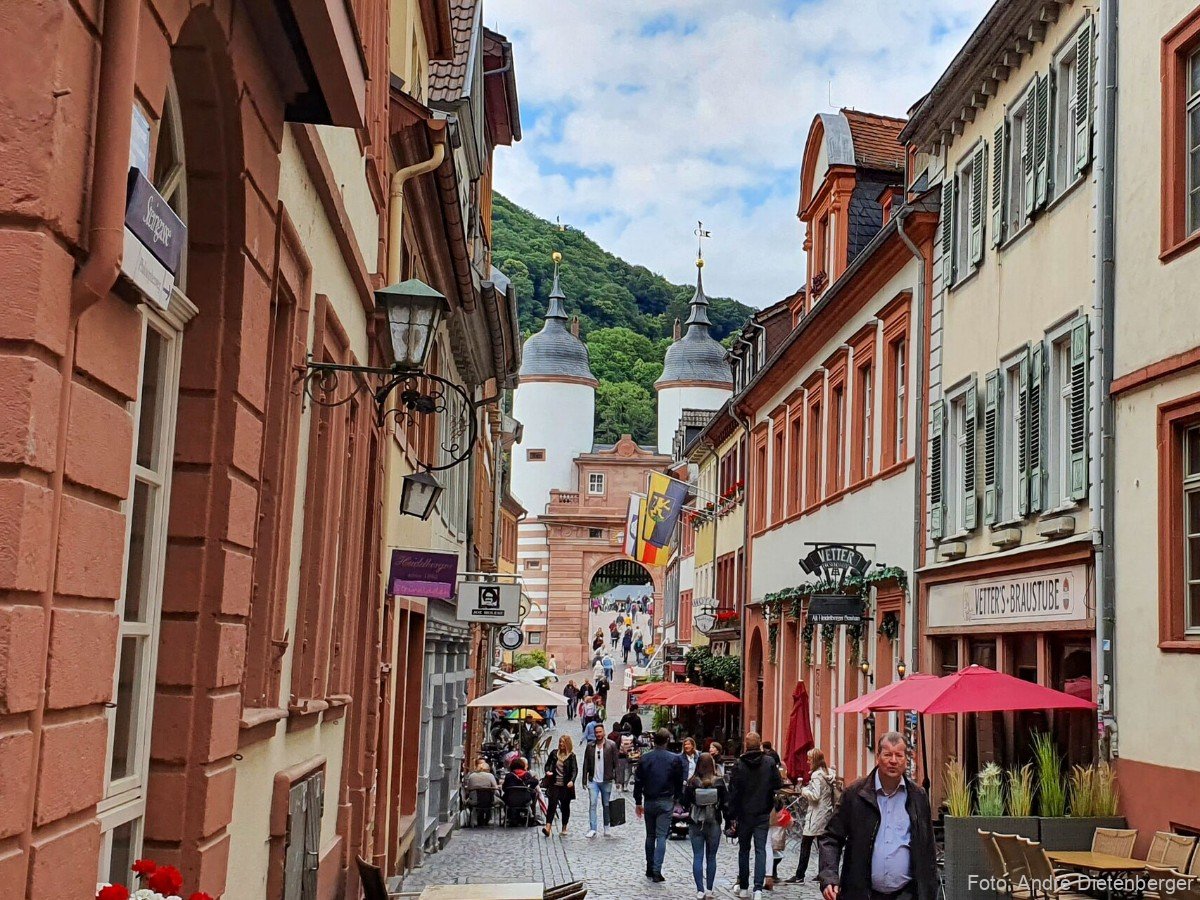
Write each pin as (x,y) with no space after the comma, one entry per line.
(423,573)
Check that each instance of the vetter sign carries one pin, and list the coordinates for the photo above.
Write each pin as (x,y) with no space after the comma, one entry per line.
(1049,596)
(489,602)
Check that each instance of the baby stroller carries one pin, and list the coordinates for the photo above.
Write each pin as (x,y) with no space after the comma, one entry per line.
(681,818)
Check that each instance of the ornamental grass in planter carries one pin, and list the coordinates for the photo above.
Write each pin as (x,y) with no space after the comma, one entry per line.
(1093,799)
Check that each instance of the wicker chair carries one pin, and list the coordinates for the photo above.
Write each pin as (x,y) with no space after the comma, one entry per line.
(1114,841)
(1052,885)
(1016,868)
(998,867)
(1170,884)
(1171,851)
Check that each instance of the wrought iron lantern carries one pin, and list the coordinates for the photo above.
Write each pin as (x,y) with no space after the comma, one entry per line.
(706,618)
(413,311)
(419,494)
(901,669)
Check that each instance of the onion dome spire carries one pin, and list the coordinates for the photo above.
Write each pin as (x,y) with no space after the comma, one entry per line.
(554,352)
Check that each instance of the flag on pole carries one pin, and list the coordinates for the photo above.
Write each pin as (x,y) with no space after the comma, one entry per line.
(643,552)
(664,502)
(631,524)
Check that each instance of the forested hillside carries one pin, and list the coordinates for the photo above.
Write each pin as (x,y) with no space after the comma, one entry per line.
(626,312)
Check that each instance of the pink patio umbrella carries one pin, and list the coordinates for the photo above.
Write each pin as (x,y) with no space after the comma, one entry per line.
(864,703)
(976,689)
(696,695)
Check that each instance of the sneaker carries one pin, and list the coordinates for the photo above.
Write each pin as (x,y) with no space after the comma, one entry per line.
(708,895)
(606,831)
(699,895)
(758,895)
(591,833)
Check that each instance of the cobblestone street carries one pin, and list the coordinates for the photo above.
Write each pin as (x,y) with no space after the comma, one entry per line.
(613,867)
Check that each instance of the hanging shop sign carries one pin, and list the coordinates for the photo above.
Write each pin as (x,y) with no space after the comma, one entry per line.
(489,602)
(836,609)
(154,240)
(674,653)
(834,562)
(511,638)
(423,573)
(1055,595)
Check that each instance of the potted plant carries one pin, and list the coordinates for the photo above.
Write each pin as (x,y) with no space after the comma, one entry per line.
(967,815)
(1092,799)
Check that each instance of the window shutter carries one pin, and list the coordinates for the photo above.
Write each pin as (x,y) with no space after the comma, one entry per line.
(293,860)
(312,834)
(970,496)
(1079,409)
(1037,415)
(948,230)
(978,163)
(991,461)
(1029,126)
(1083,97)
(937,508)
(1022,438)
(999,151)
(1041,140)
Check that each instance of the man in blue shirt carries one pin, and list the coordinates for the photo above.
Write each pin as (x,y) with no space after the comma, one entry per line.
(881,834)
(657,783)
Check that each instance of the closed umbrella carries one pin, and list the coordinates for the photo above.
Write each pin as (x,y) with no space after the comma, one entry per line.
(799,736)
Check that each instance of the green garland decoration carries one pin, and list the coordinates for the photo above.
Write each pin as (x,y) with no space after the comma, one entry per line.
(828,633)
(855,634)
(794,597)
(773,638)
(806,635)
(723,672)
(889,627)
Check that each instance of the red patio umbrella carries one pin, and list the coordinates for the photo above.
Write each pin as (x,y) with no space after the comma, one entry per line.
(799,736)
(695,695)
(976,689)
(658,692)
(864,703)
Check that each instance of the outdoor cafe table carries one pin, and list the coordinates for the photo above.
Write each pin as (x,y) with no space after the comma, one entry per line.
(1105,863)
(530,890)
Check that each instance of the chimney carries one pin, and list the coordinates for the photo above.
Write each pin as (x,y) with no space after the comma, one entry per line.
(678,332)
(575,325)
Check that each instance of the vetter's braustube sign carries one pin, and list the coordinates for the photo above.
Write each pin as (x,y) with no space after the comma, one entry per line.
(1046,596)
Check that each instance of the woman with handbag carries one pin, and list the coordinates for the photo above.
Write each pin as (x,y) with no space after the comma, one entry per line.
(562,768)
(819,794)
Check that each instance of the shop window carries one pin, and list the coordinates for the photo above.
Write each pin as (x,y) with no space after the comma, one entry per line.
(1074,731)
(1181,135)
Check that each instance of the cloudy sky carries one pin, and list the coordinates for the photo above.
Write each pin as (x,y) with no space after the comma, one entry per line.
(642,116)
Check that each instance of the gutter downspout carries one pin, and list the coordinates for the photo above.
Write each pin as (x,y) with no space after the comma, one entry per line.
(919,389)
(91,284)
(745,585)
(396,206)
(1102,495)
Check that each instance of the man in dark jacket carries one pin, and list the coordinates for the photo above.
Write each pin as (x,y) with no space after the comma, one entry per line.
(752,790)
(633,721)
(657,783)
(599,770)
(882,833)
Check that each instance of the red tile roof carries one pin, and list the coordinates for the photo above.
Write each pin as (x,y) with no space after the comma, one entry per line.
(876,140)
(447,78)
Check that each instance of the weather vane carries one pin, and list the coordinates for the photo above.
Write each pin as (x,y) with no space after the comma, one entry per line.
(701,234)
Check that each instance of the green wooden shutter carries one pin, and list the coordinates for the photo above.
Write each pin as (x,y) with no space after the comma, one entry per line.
(948,230)
(1030,128)
(999,151)
(1079,409)
(937,507)
(1021,438)
(1083,97)
(1037,415)
(970,495)
(1041,141)
(991,447)
(978,184)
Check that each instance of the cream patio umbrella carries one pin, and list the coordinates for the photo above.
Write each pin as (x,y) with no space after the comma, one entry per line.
(519,694)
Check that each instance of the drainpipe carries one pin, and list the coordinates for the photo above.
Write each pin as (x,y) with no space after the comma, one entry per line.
(1102,494)
(919,389)
(745,586)
(91,284)
(396,205)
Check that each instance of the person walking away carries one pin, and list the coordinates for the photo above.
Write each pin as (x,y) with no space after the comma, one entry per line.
(705,796)
(597,671)
(657,783)
(552,716)
(690,757)
(879,843)
(571,692)
(599,769)
(639,647)
(561,770)
(589,714)
(482,779)
(626,644)
(552,665)
(608,665)
(603,686)
(752,788)
(771,752)
(632,723)
(819,795)
(624,748)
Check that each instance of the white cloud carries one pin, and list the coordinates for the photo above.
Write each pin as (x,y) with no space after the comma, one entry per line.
(643,116)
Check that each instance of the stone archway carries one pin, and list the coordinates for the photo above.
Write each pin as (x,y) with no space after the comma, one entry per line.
(753,687)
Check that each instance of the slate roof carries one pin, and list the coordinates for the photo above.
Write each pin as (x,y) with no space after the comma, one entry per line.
(554,350)
(697,356)
(876,140)
(448,78)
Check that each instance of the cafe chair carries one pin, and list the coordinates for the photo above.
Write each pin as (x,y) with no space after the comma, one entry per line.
(1016,868)
(574,890)
(476,803)
(1171,851)
(518,806)
(1169,884)
(998,867)
(1114,841)
(373,885)
(1052,884)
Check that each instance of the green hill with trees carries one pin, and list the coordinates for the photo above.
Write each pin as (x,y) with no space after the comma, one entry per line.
(626,312)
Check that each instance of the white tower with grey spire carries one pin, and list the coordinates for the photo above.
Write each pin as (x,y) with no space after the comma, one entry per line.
(696,373)
(556,404)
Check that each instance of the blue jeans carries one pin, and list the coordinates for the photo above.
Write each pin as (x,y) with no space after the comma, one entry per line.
(598,792)
(705,842)
(657,814)
(757,834)
(550,713)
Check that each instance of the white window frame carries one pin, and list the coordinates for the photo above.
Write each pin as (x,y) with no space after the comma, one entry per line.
(953,495)
(1192,116)
(1058,417)
(901,398)
(868,445)
(596,484)
(1010,427)
(1015,219)
(1064,103)
(963,198)
(1191,489)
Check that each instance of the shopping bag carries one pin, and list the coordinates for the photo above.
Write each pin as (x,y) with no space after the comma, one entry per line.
(616,811)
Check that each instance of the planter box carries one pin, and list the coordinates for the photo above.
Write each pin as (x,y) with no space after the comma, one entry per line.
(1068,833)
(965,853)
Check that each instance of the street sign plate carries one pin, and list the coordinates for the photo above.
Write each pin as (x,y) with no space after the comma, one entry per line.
(835,609)
(511,638)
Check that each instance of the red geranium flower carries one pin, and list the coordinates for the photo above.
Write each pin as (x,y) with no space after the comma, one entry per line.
(113,892)
(165,880)
(199,895)
(144,866)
